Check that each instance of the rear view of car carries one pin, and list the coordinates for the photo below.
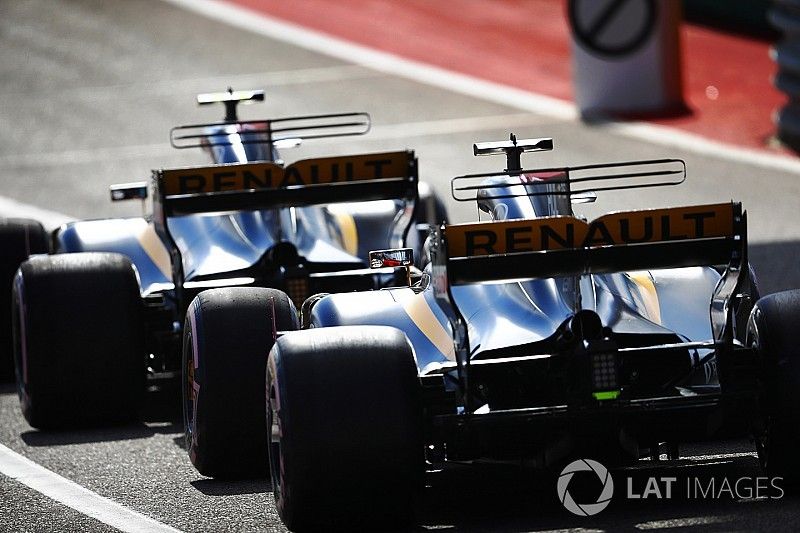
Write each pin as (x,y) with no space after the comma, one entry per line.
(541,337)
(105,311)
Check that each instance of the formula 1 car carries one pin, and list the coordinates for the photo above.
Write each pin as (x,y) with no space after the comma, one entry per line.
(105,309)
(535,336)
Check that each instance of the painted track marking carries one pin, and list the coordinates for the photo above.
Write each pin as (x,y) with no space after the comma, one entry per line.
(69,493)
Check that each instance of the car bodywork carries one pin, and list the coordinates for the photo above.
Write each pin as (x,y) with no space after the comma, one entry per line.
(249,219)
(539,335)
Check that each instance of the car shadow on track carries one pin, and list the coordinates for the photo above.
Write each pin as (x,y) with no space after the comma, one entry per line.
(160,413)
(213,487)
(86,436)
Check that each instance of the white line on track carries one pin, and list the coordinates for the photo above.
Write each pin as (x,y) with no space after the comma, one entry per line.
(544,105)
(694,521)
(77,497)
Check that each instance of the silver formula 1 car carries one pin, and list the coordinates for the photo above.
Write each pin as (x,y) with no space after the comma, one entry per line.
(534,336)
(105,308)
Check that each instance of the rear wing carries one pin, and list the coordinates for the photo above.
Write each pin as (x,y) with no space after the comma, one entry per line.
(564,245)
(269,131)
(568,181)
(714,234)
(232,131)
(265,185)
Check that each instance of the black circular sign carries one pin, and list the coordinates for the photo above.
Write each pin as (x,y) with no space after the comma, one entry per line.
(612,27)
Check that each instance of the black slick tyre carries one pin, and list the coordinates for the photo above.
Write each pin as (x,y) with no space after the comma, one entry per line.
(772,331)
(345,411)
(78,340)
(227,337)
(19,239)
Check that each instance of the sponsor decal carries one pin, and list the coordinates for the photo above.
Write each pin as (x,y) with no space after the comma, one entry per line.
(265,176)
(564,232)
(391,258)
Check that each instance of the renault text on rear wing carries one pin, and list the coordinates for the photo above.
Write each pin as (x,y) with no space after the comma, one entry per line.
(565,245)
(219,188)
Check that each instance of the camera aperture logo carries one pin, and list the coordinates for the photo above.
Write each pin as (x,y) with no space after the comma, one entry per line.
(660,488)
(585,509)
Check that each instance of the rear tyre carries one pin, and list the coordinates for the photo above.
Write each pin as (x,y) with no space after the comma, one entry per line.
(345,412)
(772,331)
(227,337)
(19,239)
(78,340)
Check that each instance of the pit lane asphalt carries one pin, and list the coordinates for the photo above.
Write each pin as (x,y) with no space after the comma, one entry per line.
(88,92)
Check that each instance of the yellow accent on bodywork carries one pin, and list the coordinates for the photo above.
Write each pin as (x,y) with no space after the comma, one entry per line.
(648,296)
(349,232)
(419,311)
(154,248)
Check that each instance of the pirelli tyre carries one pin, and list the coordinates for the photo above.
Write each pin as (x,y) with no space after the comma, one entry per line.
(345,411)
(227,337)
(772,331)
(19,239)
(78,340)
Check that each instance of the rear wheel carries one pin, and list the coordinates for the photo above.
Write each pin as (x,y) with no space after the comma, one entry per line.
(345,418)
(227,337)
(772,331)
(78,339)
(19,239)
